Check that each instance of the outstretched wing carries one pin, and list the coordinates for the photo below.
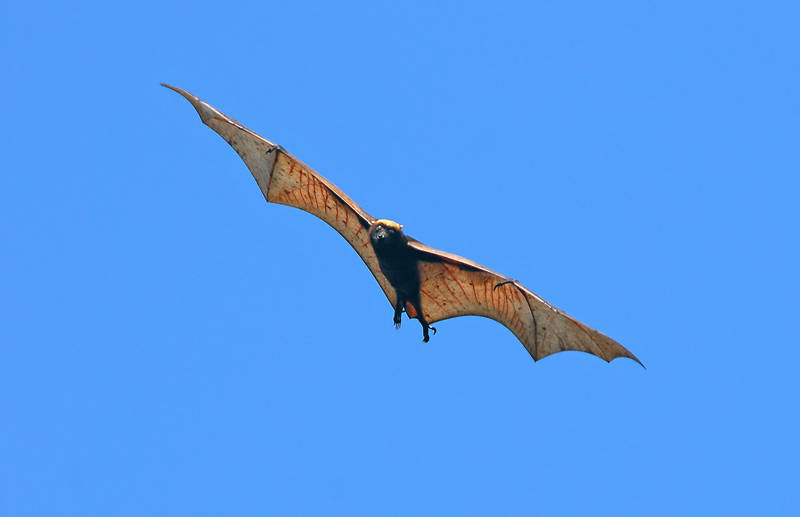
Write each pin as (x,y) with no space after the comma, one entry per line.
(453,286)
(286,180)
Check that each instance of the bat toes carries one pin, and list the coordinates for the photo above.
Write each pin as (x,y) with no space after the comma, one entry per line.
(425,336)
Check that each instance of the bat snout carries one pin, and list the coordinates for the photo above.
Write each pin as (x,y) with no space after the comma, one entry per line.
(378,235)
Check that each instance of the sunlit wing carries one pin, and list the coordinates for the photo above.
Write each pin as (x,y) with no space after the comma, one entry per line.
(286,180)
(453,286)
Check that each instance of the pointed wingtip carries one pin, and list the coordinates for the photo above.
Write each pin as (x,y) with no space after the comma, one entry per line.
(186,94)
(629,355)
(205,111)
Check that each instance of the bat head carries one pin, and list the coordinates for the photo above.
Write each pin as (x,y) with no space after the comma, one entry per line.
(385,234)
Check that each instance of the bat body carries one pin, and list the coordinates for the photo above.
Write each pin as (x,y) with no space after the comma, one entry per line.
(427,284)
(399,263)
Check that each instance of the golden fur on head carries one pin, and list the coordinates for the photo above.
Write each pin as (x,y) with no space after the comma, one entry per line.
(390,224)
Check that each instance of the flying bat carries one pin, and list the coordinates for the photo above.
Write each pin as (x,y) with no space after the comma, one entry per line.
(425,283)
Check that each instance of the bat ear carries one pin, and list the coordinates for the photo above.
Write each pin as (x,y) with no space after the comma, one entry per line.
(401,226)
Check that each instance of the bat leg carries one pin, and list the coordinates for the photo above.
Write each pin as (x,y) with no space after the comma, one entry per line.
(398,311)
(425,327)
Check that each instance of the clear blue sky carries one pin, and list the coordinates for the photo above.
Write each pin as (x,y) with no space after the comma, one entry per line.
(173,345)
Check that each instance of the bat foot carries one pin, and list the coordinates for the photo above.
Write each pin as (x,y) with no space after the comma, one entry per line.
(425,336)
(398,313)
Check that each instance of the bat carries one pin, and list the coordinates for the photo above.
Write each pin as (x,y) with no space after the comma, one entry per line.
(425,283)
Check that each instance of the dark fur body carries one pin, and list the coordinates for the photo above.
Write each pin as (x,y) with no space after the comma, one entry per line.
(400,264)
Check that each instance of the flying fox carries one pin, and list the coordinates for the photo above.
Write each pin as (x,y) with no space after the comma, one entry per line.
(426,284)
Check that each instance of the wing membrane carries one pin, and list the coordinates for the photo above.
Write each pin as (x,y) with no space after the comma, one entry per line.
(453,286)
(286,180)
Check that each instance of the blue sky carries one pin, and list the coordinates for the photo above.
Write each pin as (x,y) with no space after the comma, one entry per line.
(171,344)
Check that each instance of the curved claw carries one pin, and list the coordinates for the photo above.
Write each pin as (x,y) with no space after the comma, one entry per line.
(425,336)
(504,282)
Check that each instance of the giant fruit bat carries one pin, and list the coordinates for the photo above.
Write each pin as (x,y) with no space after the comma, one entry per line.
(425,283)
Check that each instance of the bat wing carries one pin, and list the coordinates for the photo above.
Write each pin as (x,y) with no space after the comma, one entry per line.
(453,286)
(286,180)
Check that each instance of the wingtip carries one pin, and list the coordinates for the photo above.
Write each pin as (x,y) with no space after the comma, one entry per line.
(176,89)
(205,111)
(629,356)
